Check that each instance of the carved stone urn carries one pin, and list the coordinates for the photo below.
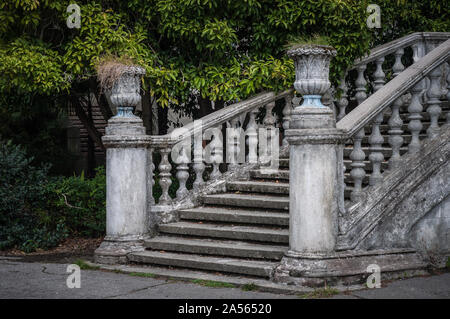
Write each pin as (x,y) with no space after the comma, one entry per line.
(125,91)
(312,68)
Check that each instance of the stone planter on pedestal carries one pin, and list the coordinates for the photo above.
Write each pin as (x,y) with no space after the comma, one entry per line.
(315,146)
(126,179)
(316,186)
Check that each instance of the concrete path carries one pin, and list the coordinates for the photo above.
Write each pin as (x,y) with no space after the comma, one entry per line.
(48,280)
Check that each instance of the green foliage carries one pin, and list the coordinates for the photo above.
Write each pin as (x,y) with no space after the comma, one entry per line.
(22,186)
(249,287)
(213,284)
(78,203)
(309,40)
(85,266)
(39,212)
(221,50)
(38,125)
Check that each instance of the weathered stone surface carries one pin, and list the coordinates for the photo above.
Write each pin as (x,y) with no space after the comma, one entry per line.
(259,187)
(313,180)
(240,266)
(235,215)
(126,189)
(216,247)
(247,200)
(389,212)
(346,268)
(263,234)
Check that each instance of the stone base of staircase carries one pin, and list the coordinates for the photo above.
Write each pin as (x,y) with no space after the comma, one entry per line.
(347,268)
(113,252)
(189,275)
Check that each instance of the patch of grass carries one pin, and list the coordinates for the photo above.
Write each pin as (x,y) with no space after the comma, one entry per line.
(315,39)
(213,284)
(142,274)
(320,293)
(249,287)
(447,264)
(83,265)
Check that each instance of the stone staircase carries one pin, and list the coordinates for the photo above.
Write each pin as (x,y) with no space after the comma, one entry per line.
(245,230)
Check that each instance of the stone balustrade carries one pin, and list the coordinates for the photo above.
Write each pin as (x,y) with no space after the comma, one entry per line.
(182,166)
(383,107)
(203,163)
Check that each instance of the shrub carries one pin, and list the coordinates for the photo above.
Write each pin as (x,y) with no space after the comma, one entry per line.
(37,211)
(22,186)
(79,203)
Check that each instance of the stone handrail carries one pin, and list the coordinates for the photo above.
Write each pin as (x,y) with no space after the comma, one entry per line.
(384,97)
(390,98)
(363,85)
(221,116)
(401,43)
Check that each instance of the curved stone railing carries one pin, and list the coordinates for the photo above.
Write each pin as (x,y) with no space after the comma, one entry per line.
(383,107)
(382,65)
(240,153)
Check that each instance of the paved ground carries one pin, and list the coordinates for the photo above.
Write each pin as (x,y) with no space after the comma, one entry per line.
(48,280)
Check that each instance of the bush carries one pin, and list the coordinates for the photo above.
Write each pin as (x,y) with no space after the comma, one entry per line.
(79,203)
(37,211)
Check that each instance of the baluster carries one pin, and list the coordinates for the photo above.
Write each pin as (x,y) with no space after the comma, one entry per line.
(357,173)
(343,100)
(217,154)
(150,176)
(415,118)
(361,82)
(434,108)
(395,121)
(376,156)
(395,133)
(268,122)
(398,66)
(379,76)
(415,106)
(234,145)
(287,116)
(252,141)
(269,119)
(296,101)
(376,140)
(165,176)
(182,173)
(198,166)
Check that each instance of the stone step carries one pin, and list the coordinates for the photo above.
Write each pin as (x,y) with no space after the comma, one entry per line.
(259,187)
(262,174)
(228,265)
(216,247)
(248,200)
(235,215)
(261,234)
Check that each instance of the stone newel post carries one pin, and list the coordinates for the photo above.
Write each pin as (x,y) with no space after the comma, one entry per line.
(314,152)
(313,156)
(126,179)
